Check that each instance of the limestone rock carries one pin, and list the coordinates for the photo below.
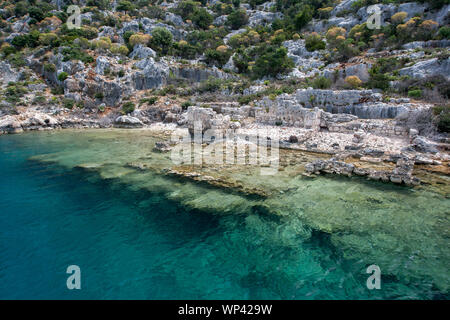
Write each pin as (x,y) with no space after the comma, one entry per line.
(422,144)
(10,124)
(162,146)
(127,122)
(152,75)
(428,68)
(142,52)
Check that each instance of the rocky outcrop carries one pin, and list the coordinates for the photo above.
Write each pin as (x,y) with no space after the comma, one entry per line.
(127,122)
(421,144)
(364,104)
(152,75)
(102,63)
(307,63)
(428,68)
(8,74)
(197,118)
(9,124)
(402,173)
(150,24)
(257,18)
(142,52)
(427,44)
(162,146)
(200,74)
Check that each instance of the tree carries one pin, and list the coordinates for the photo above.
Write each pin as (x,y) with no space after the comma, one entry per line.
(314,42)
(217,57)
(36,13)
(303,17)
(237,19)
(161,40)
(125,5)
(201,18)
(272,62)
(21,8)
(186,8)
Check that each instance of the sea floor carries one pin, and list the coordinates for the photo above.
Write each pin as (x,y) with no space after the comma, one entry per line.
(106,201)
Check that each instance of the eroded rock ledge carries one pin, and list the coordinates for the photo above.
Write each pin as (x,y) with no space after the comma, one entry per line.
(401,173)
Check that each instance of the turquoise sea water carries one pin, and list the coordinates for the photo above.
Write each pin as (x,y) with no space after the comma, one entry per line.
(142,244)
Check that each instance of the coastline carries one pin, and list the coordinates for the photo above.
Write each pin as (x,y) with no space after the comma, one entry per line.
(377,157)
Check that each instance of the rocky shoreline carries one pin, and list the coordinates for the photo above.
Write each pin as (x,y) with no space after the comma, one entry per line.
(354,152)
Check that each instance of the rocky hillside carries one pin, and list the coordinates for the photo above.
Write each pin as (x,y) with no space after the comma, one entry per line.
(245,58)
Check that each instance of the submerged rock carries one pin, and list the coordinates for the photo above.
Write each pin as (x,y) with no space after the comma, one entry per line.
(162,146)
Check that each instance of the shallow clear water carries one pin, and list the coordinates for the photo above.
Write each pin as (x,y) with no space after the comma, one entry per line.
(141,235)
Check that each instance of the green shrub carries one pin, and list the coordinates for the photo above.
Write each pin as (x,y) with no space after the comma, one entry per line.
(237,19)
(76,53)
(303,17)
(186,104)
(272,62)
(379,73)
(314,42)
(14,92)
(63,76)
(150,101)
(36,13)
(444,32)
(68,103)
(57,90)
(84,32)
(17,59)
(186,8)
(21,8)
(39,100)
(7,50)
(321,83)
(436,4)
(201,18)
(49,67)
(99,95)
(161,40)
(443,118)
(125,6)
(247,99)
(415,93)
(217,57)
(210,85)
(30,40)
(128,107)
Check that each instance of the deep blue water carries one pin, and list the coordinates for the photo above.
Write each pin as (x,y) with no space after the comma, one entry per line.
(51,219)
(140,245)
